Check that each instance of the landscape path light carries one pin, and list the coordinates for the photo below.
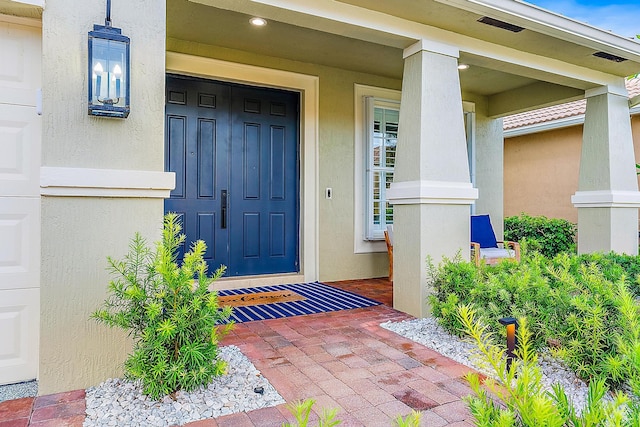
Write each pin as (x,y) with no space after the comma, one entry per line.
(511,324)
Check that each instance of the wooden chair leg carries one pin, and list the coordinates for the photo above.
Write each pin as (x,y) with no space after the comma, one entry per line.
(390,252)
(391,265)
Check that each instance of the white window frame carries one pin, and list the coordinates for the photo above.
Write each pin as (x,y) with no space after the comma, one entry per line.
(361,92)
(362,132)
(373,232)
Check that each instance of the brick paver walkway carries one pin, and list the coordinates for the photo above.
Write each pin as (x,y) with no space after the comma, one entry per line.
(343,360)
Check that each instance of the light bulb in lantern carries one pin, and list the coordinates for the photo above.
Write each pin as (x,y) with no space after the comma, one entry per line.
(117,73)
(97,72)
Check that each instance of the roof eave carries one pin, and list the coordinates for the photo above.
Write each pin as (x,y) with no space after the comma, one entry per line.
(552,24)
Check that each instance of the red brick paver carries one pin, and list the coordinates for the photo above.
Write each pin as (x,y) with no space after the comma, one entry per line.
(342,360)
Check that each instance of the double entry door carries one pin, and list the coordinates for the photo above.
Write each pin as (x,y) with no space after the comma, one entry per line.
(234,150)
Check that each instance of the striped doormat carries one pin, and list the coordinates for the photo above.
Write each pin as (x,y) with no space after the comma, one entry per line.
(304,298)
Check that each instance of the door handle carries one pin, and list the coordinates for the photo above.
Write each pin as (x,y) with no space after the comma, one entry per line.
(223,209)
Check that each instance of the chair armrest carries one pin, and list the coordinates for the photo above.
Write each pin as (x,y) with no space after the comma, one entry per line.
(515,246)
(475,252)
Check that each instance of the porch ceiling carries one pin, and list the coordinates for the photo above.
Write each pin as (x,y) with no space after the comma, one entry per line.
(295,33)
(196,22)
(191,21)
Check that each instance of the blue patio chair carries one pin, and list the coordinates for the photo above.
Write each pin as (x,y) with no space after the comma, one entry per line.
(485,247)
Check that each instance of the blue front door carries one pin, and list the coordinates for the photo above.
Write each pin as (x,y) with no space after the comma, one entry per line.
(234,150)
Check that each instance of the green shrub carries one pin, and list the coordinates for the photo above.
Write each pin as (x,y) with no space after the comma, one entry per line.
(614,266)
(576,301)
(506,289)
(168,311)
(519,388)
(549,236)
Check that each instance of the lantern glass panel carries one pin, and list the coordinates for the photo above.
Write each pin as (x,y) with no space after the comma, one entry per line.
(109,77)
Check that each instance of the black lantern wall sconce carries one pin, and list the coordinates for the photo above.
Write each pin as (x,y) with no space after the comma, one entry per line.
(109,81)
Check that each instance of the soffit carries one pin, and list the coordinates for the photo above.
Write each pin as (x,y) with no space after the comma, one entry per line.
(465,22)
(209,25)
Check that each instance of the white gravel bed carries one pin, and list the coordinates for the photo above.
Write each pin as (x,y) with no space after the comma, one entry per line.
(430,334)
(18,390)
(118,402)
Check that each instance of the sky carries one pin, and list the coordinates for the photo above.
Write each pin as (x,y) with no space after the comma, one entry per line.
(620,16)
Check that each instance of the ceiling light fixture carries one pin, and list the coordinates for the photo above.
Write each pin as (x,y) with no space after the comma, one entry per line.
(463,66)
(258,22)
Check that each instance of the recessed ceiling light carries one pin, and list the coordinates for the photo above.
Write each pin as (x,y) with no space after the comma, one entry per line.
(463,67)
(258,22)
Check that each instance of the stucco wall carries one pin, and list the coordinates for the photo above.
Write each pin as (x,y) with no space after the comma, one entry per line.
(71,137)
(79,232)
(337,260)
(76,352)
(541,171)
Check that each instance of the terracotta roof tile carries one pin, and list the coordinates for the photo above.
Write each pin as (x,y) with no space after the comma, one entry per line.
(561,111)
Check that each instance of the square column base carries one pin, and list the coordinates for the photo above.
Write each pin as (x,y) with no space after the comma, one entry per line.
(421,231)
(608,229)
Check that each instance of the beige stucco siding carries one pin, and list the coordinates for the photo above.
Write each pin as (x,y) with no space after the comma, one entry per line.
(336,157)
(541,171)
(77,352)
(71,137)
(79,232)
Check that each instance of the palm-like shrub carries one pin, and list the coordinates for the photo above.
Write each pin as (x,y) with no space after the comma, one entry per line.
(524,402)
(585,306)
(168,311)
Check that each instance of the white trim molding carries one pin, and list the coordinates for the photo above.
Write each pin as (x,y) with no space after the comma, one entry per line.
(38,3)
(606,199)
(432,192)
(619,90)
(550,23)
(564,122)
(82,182)
(431,46)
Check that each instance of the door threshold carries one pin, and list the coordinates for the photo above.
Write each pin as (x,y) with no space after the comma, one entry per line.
(255,281)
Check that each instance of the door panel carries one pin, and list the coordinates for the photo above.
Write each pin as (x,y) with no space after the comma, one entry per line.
(20,237)
(19,327)
(20,130)
(196,149)
(267,195)
(234,150)
(20,57)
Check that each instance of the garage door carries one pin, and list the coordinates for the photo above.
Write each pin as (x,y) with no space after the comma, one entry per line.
(20,136)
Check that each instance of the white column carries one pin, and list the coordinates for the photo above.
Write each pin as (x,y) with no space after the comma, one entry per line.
(607,198)
(490,170)
(431,191)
